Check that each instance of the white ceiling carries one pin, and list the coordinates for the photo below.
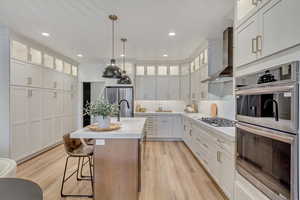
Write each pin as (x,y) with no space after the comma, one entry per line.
(82,26)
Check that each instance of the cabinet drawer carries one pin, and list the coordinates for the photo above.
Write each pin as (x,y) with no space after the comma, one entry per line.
(226,145)
(23,74)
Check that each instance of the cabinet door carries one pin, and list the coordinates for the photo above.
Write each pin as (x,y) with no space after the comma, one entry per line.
(19,122)
(23,74)
(174,87)
(139,88)
(185,88)
(227,173)
(48,136)
(177,127)
(193,85)
(52,79)
(48,104)
(58,129)
(35,119)
(245,7)
(162,90)
(67,104)
(149,88)
(246,41)
(213,163)
(67,82)
(164,127)
(58,103)
(19,51)
(280,26)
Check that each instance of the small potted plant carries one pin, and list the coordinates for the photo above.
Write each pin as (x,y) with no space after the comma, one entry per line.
(101,112)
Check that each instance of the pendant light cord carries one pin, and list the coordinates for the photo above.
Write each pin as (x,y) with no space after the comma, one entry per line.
(113,39)
(124,55)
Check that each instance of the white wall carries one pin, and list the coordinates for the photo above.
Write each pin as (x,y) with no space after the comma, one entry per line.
(4,91)
(226,108)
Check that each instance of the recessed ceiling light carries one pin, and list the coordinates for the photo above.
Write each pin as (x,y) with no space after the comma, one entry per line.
(80,55)
(122,55)
(46,34)
(172,33)
(165,55)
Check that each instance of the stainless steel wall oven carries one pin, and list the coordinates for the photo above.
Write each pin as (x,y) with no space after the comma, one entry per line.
(267,105)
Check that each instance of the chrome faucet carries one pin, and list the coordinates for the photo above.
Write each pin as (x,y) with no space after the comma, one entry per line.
(120,102)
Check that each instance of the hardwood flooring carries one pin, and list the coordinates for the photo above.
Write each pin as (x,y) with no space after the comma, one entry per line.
(169,172)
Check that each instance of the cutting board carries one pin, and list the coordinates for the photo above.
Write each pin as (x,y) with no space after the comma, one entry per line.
(213,110)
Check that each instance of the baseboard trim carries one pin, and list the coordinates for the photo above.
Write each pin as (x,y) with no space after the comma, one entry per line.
(44,150)
(164,139)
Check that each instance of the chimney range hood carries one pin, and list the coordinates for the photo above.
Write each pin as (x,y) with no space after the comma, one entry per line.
(225,71)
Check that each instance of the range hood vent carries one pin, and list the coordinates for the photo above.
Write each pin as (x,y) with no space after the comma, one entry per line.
(226,70)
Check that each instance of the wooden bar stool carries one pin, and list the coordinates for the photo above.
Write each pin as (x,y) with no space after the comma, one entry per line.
(76,149)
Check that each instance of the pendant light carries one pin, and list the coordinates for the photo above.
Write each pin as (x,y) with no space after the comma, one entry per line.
(112,70)
(125,79)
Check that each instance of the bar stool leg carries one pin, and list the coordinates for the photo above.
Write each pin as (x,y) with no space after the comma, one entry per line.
(91,173)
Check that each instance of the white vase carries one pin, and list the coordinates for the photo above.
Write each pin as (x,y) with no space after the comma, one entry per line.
(103,121)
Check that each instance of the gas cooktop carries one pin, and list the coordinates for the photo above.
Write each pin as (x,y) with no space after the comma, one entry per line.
(218,122)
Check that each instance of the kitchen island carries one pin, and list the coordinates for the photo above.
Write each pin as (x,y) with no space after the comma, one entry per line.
(117,159)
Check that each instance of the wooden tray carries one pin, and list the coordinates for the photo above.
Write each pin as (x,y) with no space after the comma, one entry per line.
(112,127)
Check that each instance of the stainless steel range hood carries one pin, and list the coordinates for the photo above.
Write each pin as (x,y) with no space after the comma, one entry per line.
(226,70)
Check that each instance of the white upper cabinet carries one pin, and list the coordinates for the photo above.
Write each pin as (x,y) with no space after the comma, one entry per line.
(48,61)
(197,63)
(67,68)
(23,74)
(205,56)
(162,70)
(245,7)
(140,70)
(280,26)
(75,70)
(247,41)
(174,70)
(272,28)
(151,70)
(192,67)
(19,51)
(129,69)
(35,56)
(59,66)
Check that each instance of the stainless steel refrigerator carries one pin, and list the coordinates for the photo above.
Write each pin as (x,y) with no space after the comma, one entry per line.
(113,95)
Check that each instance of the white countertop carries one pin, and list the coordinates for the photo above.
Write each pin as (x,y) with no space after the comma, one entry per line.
(131,128)
(227,132)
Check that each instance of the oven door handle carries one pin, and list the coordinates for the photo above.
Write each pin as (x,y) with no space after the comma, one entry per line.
(267,90)
(267,133)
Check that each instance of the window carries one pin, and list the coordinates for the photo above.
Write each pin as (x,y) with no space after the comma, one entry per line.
(59,65)
(174,70)
(35,56)
(151,70)
(74,70)
(140,70)
(128,68)
(48,61)
(162,70)
(18,51)
(67,68)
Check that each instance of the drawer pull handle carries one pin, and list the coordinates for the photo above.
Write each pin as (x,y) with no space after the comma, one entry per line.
(254,45)
(29,80)
(259,43)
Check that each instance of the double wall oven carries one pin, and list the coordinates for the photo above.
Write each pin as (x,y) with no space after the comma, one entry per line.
(267,130)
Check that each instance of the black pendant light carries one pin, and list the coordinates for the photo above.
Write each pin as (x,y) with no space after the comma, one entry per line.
(125,79)
(112,70)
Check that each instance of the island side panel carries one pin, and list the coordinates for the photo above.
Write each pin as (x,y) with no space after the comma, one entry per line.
(117,169)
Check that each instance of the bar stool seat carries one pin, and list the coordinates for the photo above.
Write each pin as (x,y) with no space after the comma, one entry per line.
(77,149)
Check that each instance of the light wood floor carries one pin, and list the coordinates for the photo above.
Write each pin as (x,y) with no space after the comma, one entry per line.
(170,172)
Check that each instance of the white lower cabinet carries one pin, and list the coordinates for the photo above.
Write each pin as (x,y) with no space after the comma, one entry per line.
(215,153)
(162,126)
